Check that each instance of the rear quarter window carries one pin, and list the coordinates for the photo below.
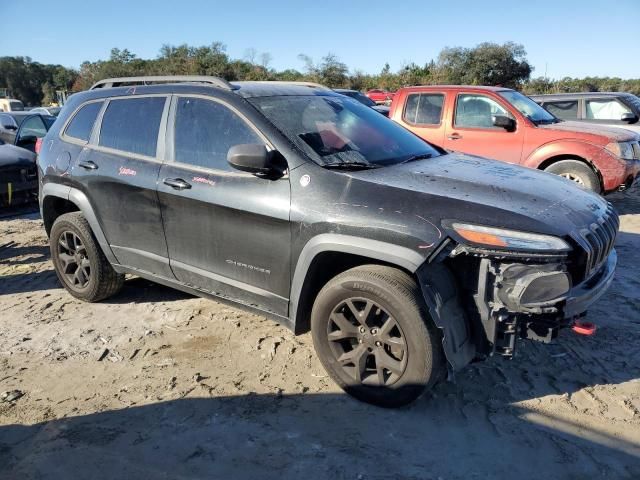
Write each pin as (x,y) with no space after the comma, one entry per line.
(81,125)
(566,110)
(424,108)
(131,125)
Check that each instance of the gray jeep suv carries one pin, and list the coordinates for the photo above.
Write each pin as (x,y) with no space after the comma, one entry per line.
(305,206)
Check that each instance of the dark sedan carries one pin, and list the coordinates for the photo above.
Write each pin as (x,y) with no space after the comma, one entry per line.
(23,129)
(362,98)
(18,177)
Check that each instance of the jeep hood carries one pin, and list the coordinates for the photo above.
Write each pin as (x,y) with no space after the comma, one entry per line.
(613,134)
(481,191)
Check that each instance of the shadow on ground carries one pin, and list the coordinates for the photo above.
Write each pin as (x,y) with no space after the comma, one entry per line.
(311,436)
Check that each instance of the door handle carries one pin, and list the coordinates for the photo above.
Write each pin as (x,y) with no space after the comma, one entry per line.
(88,165)
(177,183)
(454,136)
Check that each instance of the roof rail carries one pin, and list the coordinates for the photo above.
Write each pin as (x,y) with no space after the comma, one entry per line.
(285,82)
(125,81)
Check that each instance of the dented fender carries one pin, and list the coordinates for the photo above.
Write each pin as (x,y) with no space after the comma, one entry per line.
(611,169)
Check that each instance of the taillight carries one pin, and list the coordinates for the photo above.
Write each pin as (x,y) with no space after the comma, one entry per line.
(38,145)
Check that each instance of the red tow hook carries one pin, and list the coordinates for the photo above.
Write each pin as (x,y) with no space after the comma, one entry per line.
(584,328)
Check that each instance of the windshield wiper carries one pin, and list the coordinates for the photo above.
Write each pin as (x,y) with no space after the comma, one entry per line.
(351,166)
(421,156)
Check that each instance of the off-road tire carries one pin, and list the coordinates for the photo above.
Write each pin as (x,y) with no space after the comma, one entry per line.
(399,296)
(578,171)
(103,280)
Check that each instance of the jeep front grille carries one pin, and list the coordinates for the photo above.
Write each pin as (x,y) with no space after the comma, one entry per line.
(599,239)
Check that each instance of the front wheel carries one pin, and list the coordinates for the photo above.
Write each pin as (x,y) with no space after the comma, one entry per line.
(577,172)
(373,337)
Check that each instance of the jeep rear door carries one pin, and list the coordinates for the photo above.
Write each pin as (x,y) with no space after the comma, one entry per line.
(118,170)
(470,128)
(227,231)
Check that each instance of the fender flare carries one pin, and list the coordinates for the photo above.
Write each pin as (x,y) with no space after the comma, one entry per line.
(334,242)
(80,200)
(582,149)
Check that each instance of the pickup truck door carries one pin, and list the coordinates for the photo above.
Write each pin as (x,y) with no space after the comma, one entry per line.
(423,115)
(470,129)
(227,231)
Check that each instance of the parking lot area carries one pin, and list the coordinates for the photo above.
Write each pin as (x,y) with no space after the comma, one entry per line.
(154,383)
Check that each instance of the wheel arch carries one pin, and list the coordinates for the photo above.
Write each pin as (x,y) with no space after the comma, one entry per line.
(558,158)
(327,255)
(56,200)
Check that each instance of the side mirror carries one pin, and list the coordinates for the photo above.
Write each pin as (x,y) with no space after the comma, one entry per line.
(629,117)
(502,121)
(252,158)
(9,127)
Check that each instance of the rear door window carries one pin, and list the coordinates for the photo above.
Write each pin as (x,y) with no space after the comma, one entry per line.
(424,108)
(566,110)
(131,125)
(205,131)
(81,125)
(605,109)
(33,127)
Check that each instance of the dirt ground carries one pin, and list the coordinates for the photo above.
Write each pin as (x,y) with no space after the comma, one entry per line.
(154,383)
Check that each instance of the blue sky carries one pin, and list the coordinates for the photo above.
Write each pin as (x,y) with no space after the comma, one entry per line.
(565,37)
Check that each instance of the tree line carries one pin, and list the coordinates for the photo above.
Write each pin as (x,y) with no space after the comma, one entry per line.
(486,64)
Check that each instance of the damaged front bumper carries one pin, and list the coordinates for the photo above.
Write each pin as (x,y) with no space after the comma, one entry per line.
(535,301)
(582,296)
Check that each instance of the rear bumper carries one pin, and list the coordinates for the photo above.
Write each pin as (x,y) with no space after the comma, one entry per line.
(582,296)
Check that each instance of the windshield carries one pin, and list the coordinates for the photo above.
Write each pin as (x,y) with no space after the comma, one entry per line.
(528,107)
(633,100)
(334,130)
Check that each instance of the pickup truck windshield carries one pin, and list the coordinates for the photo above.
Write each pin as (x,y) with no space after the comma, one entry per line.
(337,130)
(528,107)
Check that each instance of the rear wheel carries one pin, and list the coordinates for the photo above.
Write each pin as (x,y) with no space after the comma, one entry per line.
(373,337)
(79,262)
(578,172)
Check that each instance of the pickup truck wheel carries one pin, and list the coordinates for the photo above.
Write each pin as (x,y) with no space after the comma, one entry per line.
(373,337)
(576,171)
(79,262)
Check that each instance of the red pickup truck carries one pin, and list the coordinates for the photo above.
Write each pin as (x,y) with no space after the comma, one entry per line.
(505,125)
(380,96)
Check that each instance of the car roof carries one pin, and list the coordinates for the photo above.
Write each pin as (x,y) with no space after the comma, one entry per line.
(478,88)
(245,89)
(581,95)
(345,90)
